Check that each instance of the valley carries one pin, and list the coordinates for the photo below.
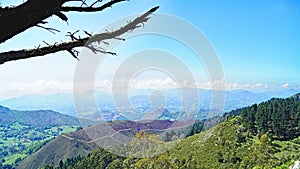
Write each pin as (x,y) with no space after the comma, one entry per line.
(24,132)
(20,140)
(240,141)
(234,139)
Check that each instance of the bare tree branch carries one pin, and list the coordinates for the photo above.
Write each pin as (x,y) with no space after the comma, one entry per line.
(90,8)
(61,16)
(25,54)
(74,53)
(14,20)
(77,42)
(18,19)
(96,2)
(52,30)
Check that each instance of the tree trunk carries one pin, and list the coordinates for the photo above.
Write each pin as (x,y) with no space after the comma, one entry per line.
(18,19)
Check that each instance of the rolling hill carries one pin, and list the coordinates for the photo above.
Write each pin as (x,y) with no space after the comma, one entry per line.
(252,138)
(218,147)
(24,132)
(40,118)
(84,141)
(59,149)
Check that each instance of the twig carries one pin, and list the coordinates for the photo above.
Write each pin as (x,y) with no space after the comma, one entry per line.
(95,3)
(90,8)
(74,53)
(72,35)
(52,30)
(46,43)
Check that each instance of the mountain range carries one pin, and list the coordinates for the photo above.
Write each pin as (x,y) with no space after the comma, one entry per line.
(39,118)
(140,103)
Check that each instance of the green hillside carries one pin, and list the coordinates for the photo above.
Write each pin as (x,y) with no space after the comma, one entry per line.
(262,136)
(19,140)
(218,147)
(61,148)
(80,143)
(24,132)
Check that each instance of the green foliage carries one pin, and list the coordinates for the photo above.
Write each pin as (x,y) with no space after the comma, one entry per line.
(218,147)
(24,132)
(280,118)
(99,159)
(18,140)
(264,136)
(144,145)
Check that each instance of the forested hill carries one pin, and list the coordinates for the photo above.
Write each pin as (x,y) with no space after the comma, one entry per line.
(39,118)
(279,118)
(264,135)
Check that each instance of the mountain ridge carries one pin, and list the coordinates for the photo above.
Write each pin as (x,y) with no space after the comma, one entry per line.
(39,118)
(140,102)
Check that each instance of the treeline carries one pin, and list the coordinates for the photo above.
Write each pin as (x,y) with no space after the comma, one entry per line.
(279,118)
(64,164)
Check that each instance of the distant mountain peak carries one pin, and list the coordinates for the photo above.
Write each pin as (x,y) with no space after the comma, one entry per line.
(4,109)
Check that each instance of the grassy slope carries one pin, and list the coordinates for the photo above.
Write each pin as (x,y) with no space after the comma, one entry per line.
(11,159)
(215,148)
(204,150)
(218,148)
(201,150)
(54,151)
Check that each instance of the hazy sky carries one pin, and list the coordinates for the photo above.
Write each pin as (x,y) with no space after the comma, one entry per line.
(258,44)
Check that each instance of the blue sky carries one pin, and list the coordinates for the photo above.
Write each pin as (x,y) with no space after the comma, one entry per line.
(258,43)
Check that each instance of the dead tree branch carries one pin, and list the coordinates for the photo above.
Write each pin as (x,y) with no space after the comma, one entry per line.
(90,8)
(52,30)
(15,20)
(77,42)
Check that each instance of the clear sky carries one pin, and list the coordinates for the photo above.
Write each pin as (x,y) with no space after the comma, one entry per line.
(258,43)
